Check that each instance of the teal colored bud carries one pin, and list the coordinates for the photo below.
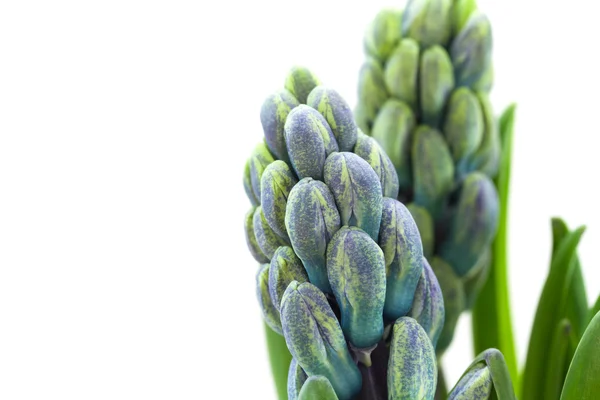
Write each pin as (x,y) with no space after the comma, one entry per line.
(453,293)
(369,150)
(259,160)
(315,339)
(474,224)
(471,50)
(300,82)
(393,129)
(402,72)
(356,270)
(383,34)
(428,305)
(296,378)
(461,12)
(273,114)
(437,81)
(412,367)
(487,157)
(286,267)
(276,183)
(270,314)
(371,89)
(338,115)
(267,239)
(433,170)
(357,191)
(426,228)
(317,387)
(309,141)
(475,384)
(251,241)
(248,186)
(476,278)
(311,220)
(401,244)
(463,127)
(429,22)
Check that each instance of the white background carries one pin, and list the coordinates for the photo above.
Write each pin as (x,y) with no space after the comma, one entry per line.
(124,127)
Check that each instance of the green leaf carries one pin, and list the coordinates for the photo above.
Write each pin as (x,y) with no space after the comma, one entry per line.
(317,387)
(582,381)
(551,308)
(492,325)
(563,346)
(594,310)
(280,359)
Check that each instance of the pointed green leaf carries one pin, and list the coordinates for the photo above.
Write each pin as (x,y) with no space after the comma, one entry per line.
(279,358)
(561,350)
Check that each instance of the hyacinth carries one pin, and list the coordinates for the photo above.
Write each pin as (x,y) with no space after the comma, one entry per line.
(423,95)
(342,274)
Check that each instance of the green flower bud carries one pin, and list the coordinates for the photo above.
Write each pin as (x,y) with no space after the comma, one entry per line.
(248,186)
(338,115)
(300,82)
(285,268)
(486,81)
(357,191)
(475,384)
(371,89)
(311,220)
(428,21)
(309,141)
(437,81)
(383,34)
(463,127)
(273,114)
(402,72)
(259,160)
(267,239)
(433,170)
(369,150)
(276,183)
(315,339)
(251,238)
(296,378)
(428,305)
(392,129)
(401,244)
(461,12)
(471,50)
(474,224)
(454,300)
(475,279)
(412,368)
(270,314)
(360,116)
(317,387)
(426,228)
(487,157)
(356,270)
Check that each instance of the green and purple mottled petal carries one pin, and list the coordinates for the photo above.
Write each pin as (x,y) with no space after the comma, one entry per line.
(454,300)
(487,157)
(428,304)
(426,228)
(383,34)
(311,220)
(286,267)
(357,191)
(248,186)
(412,368)
(270,314)
(476,384)
(486,81)
(315,339)
(296,378)
(259,160)
(436,82)
(474,281)
(402,72)
(474,224)
(471,50)
(267,239)
(393,130)
(433,170)
(273,114)
(461,12)
(317,388)
(371,89)
(338,115)
(300,82)
(251,241)
(369,150)
(309,141)
(401,244)
(356,270)
(429,22)
(276,183)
